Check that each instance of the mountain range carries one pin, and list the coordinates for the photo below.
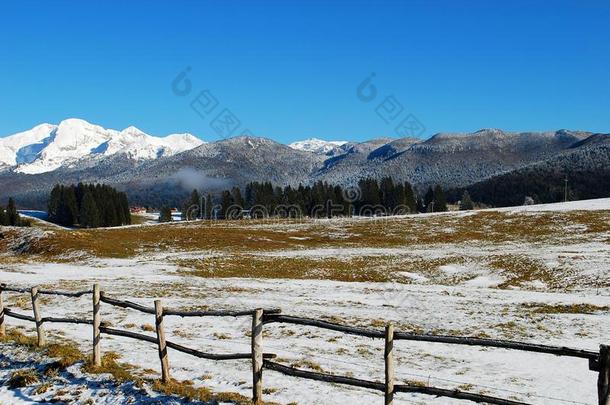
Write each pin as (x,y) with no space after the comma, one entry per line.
(156,170)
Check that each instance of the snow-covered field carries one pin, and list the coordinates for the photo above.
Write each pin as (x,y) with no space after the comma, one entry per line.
(546,286)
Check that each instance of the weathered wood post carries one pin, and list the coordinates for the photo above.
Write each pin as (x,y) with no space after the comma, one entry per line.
(36,308)
(257,356)
(97,355)
(603,379)
(161,342)
(389,364)
(2,325)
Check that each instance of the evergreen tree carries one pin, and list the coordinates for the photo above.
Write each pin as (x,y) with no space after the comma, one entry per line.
(53,204)
(428,198)
(409,197)
(208,207)
(440,202)
(12,215)
(3,218)
(388,198)
(237,198)
(165,215)
(225,204)
(89,215)
(124,203)
(466,202)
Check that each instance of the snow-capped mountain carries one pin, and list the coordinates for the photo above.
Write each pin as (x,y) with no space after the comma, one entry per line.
(318,146)
(48,147)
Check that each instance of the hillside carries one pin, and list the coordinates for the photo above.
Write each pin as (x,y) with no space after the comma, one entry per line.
(586,166)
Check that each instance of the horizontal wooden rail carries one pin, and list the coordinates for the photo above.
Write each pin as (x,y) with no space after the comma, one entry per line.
(65,293)
(498,343)
(351,330)
(126,333)
(456,394)
(76,294)
(126,304)
(355,382)
(312,375)
(49,319)
(4,287)
(67,320)
(178,347)
(209,356)
(175,312)
(170,312)
(373,333)
(17,315)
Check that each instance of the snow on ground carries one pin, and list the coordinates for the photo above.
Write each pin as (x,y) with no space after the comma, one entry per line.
(472,310)
(71,385)
(581,205)
(458,298)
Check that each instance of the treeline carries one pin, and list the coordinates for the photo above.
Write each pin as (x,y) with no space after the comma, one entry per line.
(88,206)
(321,200)
(541,185)
(9,216)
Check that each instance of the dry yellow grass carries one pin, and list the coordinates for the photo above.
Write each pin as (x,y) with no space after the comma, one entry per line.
(237,248)
(262,236)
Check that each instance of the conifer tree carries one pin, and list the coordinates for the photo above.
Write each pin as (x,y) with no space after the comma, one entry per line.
(225,204)
(53,203)
(11,213)
(3,218)
(208,207)
(89,215)
(410,199)
(237,198)
(165,215)
(428,197)
(440,202)
(466,202)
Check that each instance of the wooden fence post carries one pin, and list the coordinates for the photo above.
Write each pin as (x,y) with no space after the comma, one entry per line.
(389,364)
(257,356)
(603,379)
(36,308)
(97,356)
(2,325)
(161,342)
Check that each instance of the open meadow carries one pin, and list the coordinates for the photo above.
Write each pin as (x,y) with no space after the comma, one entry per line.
(537,274)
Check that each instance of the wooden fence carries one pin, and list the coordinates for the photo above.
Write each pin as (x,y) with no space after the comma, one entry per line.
(598,361)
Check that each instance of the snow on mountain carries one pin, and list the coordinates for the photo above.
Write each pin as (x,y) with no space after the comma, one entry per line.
(48,147)
(317,146)
(20,147)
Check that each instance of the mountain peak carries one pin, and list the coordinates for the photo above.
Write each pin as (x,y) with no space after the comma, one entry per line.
(317,146)
(47,147)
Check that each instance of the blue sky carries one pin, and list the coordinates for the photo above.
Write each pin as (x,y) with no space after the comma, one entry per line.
(290,70)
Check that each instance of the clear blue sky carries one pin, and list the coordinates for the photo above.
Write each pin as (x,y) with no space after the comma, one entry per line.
(289,70)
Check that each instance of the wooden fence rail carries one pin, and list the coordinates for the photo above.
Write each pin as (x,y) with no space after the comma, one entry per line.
(470,341)
(598,361)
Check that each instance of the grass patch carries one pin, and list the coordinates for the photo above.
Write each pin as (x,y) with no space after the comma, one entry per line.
(66,354)
(23,378)
(541,308)
(17,337)
(121,372)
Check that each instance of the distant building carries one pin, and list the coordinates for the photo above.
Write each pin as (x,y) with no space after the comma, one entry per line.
(137,210)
